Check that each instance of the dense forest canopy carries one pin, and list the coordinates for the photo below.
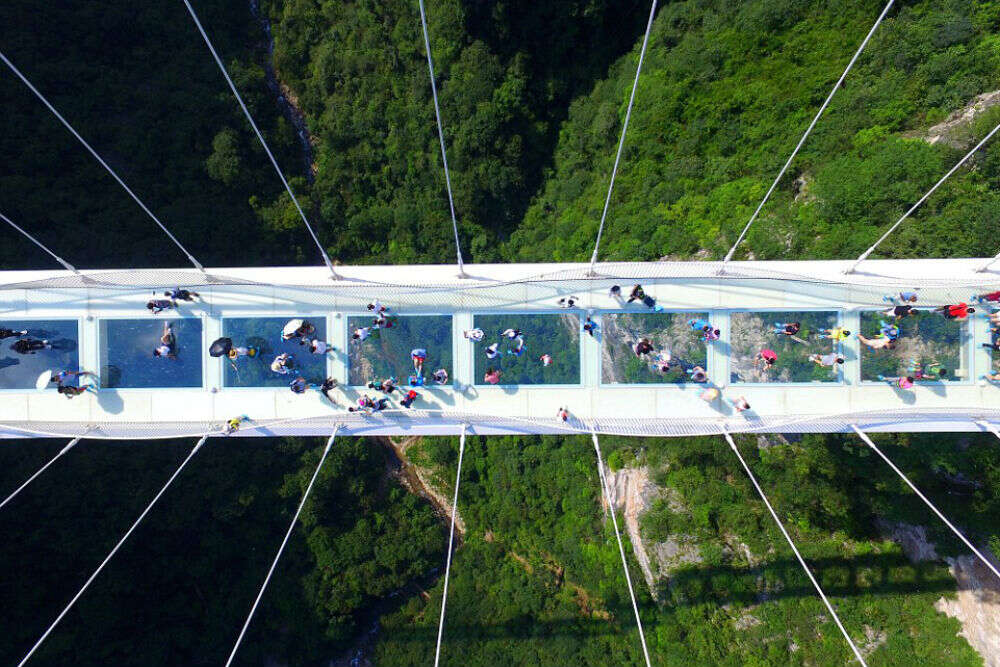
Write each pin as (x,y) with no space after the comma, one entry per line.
(533,97)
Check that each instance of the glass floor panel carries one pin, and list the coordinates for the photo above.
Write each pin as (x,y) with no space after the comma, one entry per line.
(263,334)
(555,335)
(667,331)
(751,332)
(127,359)
(927,339)
(387,351)
(20,371)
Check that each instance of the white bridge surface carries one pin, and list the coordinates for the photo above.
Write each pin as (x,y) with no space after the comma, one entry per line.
(965,404)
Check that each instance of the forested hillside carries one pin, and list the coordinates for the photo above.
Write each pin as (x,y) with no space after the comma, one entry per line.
(533,97)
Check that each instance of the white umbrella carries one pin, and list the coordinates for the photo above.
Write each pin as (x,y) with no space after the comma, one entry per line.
(43,380)
(291,327)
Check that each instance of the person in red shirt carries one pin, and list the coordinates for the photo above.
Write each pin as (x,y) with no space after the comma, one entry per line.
(955,312)
(765,359)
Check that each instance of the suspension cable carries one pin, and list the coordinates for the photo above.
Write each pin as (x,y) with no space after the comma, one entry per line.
(621,140)
(41,470)
(899,472)
(990,427)
(913,208)
(260,137)
(113,552)
(988,264)
(104,164)
(66,265)
(802,562)
(281,549)
(621,548)
(451,540)
(444,154)
(802,141)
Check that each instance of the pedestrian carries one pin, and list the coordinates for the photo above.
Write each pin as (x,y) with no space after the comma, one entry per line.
(377,307)
(317,346)
(157,306)
(475,335)
(512,333)
(70,391)
(888,330)
(380,404)
(697,374)
(407,400)
(899,382)
(932,371)
(30,345)
(545,359)
(282,364)
(836,333)
(740,404)
(386,386)
(637,294)
(643,346)
(661,361)
(10,333)
(708,334)
(416,380)
(233,425)
(650,303)
(178,294)
(562,414)
(168,343)
(615,292)
(568,302)
(899,312)
(589,326)
(328,385)
(62,377)
(993,345)
(304,331)
(298,385)
(492,376)
(994,317)
(989,297)
(440,376)
(826,360)
(993,376)
(419,356)
(241,351)
(958,311)
(903,297)
(361,333)
(879,342)
(518,348)
(699,324)
(787,328)
(384,321)
(493,351)
(765,359)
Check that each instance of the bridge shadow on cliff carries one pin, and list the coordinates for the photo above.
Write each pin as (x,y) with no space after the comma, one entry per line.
(873,575)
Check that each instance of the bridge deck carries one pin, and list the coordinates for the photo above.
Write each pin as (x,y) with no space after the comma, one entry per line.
(596,382)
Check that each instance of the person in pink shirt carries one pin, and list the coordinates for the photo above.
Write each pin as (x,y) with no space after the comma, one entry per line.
(492,376)
(765,359)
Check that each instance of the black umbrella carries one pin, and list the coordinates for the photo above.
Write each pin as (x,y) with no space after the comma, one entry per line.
(221,347)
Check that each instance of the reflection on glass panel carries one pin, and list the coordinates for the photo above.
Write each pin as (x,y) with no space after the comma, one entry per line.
(790,338)
(28,348)
(677,347)
(520,361)
(150,353)
(926,345)
(256,341)
(386,352)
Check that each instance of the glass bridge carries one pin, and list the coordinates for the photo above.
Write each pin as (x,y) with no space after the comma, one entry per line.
(702,346)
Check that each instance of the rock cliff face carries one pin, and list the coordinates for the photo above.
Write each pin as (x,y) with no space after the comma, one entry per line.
(632,493)
(954,130)
(976,606)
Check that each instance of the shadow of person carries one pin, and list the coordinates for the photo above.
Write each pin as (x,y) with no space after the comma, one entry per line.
(7,362)
(110,401)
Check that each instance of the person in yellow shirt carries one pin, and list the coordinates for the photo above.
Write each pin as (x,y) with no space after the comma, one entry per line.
(836,333)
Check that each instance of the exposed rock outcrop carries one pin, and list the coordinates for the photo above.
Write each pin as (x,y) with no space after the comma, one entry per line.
(954,130)
(976,606)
